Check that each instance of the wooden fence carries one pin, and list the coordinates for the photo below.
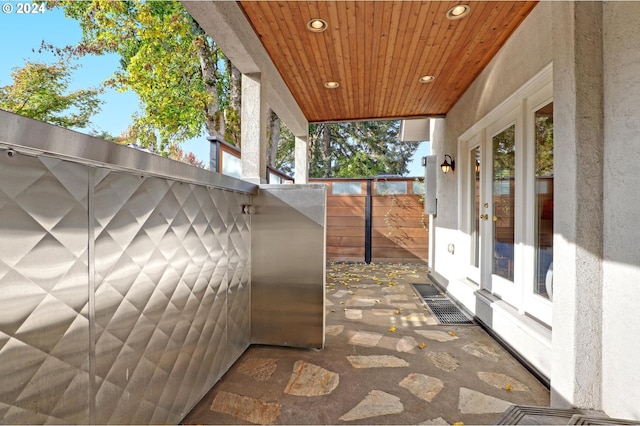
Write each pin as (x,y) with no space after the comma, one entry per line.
(376,220)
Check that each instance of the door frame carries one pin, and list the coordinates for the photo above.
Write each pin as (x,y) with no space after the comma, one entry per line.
(519,108)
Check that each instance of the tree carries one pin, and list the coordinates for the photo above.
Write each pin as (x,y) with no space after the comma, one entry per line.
(544,145)
(358,149)
(180,75)
(504,154)
(40,91)
(178,154)
(285,153)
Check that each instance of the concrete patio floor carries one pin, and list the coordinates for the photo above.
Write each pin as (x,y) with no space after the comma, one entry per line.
(387,360)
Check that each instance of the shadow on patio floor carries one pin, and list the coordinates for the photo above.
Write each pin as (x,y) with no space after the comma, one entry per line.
(387,360)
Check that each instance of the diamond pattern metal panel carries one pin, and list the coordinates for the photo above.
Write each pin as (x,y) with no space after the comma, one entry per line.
(161,296)
(44,326)
(239,274)
(169,263)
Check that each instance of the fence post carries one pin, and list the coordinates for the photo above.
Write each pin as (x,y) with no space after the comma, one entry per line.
(367,224)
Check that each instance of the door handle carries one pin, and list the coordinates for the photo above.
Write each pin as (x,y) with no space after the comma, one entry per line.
(495,218)
(484,216)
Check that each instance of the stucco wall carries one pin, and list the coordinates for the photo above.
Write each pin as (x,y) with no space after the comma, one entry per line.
(596,87)
(527,52)
(578,154)
(621,269)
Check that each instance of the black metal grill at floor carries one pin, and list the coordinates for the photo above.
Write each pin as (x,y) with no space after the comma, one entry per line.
(440,305)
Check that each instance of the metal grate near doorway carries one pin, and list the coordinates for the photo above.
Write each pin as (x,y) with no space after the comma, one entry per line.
(440,305)
(426,290)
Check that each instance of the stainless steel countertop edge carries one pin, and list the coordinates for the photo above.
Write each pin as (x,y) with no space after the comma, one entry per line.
(33,137)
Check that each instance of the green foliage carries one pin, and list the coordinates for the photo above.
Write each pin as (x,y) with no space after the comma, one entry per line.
(285,156)
(166,58)
(544,145)
(40,91)
(358,149)
(504,154)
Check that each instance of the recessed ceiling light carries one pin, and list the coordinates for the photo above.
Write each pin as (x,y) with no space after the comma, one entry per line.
(317,25)
(331,84)
(458,12)
(426,79)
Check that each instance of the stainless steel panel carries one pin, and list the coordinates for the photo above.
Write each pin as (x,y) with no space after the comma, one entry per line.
(239,277)
(41,138)
(162,268)
(430,185)
(44,324)
(288,265)
(123,297)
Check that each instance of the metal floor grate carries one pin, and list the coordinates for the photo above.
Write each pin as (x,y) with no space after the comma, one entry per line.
(440,305)
(426,290)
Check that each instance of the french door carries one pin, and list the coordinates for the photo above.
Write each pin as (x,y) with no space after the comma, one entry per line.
(508,179)
(500,203)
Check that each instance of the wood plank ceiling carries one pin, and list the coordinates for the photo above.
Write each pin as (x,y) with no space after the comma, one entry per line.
(378,50)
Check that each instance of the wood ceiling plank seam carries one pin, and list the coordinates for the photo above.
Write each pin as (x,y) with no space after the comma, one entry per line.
(454,87)
(292,25)
(377,11)
(440,53)
(310,80)
(325,103)
(382,17)
(328,52)
(338,25)
(403,30)
(414,56)
(344,47)
(493,17)
(364,18)
(263,18)
(430,49)
(409,82)
(388,58)
(438,50)
(463,38)
(479,26)
(405,27)
(351,56)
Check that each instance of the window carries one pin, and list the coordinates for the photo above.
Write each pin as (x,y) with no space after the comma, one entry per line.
(346,188)
(231,165)
(544,201)
(418,187)
(391,187)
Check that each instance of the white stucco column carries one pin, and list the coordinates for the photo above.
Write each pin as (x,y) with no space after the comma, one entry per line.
(576,369)
(302,160)
(621,248)
(254,129)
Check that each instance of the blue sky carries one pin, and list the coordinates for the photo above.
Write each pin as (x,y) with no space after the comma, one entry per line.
(22,35)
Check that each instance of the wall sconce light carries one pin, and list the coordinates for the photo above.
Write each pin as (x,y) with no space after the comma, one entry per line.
(477,166)
(448,166)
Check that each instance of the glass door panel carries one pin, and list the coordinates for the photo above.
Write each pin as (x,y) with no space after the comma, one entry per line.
(543,283)
(503,185)
(475,200)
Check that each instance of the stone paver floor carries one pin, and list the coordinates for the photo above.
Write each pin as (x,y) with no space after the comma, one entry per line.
(386,360)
